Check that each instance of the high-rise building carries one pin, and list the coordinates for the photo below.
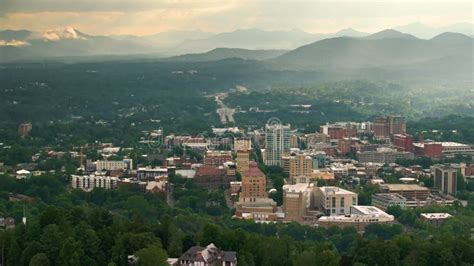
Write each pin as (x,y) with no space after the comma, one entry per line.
(254,184)
(385,127)
(300,168)
(243,160)
(294,141)
(242,144)
(277,143)
(296,200)
(445,178)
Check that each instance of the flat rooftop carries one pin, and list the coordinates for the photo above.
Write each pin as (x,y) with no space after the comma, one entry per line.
(400,187)
(301,187)
(390,196)
(438,215)
(335,190)
(443,143)
(368,210)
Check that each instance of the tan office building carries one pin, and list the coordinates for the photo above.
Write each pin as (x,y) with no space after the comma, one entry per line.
(296,200)
(243,160)
(253,184)
(300,168)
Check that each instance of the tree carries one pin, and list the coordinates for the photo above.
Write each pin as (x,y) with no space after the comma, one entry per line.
(151,256)
(31,249)
(40,259)
(395,210)
(52,215)
(71,253)
(52,241)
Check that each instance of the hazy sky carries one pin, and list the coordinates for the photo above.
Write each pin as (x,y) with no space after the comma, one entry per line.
(140,17)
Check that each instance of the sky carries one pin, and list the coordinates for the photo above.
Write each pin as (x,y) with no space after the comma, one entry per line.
(144,17)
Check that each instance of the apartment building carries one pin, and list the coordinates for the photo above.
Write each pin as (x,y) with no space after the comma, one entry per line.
(334,200)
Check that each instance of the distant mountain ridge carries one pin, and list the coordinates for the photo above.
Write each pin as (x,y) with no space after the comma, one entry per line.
(200,46)
(379,49)
(225,53)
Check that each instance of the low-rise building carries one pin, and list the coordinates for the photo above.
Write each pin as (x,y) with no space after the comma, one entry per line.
(385,200)
(383,155)
(408,191)
(259,210)
(207,256)
(149,173)
(211,177)
(359,217)
(154,187)
(416,195)
(445,148)
(436,219)
(89,182)
(334,200)
(217,158)
(125,164)
(7,223)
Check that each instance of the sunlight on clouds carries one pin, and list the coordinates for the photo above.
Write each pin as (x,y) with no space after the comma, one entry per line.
(142,17)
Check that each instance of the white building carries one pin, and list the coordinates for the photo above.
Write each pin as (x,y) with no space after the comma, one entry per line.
(359,217)
(125,164)
(89,182)
(334,200)
(23,174)
(277,143)
(148,173)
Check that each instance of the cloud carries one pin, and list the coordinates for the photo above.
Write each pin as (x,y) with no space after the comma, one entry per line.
(140,17)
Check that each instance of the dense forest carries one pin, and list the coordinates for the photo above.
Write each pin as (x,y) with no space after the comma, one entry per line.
(180,93)
(71,227)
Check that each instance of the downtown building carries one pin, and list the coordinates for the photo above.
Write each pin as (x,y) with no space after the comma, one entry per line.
(359,217)
(297,199)
(300,168)
(445,178)
(277,143)
(383,155)
(334,200)
(387,126)
(254,203)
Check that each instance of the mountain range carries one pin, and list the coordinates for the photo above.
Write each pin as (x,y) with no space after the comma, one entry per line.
(24,44)
(386,48)
(347,52)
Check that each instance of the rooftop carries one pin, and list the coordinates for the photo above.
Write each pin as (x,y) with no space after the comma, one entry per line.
(368,210)
(435,215)
(398,187)
(297,187)
(335,190)
(253,170)
(390,196)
